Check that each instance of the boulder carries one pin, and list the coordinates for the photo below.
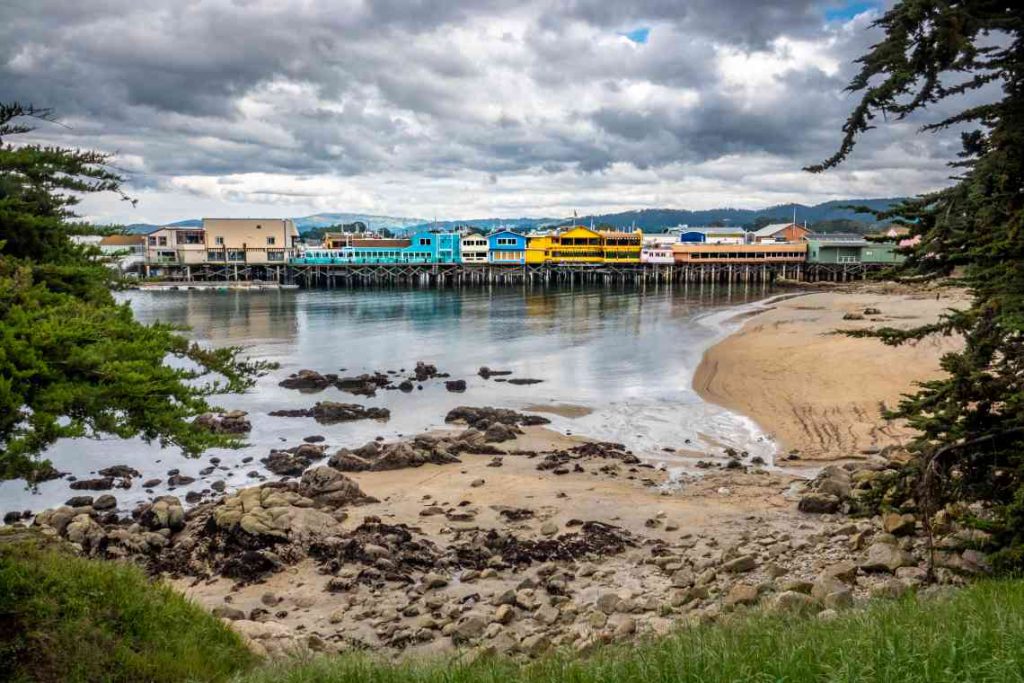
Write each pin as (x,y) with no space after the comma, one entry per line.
(819,503)
(741,594)
(328,486)
(792,601)
(233,422)
(885,557)
(897,524)
(743,563)
(165,512)
(455,385)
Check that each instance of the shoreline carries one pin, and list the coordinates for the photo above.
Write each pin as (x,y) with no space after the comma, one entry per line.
(820,394)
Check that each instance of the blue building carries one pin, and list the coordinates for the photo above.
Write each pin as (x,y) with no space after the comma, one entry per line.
(505,246)
(419,248)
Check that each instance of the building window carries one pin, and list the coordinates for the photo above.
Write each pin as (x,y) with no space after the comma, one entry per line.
(152,241)
(215,256)
(275,255)
(236,255)
(271,241)
(219,241)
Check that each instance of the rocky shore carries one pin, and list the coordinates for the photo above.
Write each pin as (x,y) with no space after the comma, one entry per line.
(498,534)
(467,540)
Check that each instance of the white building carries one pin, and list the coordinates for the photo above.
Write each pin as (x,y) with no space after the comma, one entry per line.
(474,248)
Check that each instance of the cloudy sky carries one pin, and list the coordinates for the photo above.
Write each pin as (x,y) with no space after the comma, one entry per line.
(457,108)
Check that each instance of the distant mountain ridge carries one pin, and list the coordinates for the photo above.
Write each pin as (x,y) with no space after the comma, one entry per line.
(650,220)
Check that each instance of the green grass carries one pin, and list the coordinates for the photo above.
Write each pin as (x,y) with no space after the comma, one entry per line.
(975,636)
(63,618)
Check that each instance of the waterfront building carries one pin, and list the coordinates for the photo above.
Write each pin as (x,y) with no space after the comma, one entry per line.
(124,252)
(621,247)
(657,249)
(713,235)
(241,241)
(739,253)
(848,248)
(574,245)
(173,245)
(419,248)
(474,248)
(780,232)
(505,246)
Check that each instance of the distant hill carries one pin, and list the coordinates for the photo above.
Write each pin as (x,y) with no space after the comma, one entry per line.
(831,215)
(655,220)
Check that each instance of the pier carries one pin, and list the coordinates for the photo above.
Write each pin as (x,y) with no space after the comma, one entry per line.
(203,276)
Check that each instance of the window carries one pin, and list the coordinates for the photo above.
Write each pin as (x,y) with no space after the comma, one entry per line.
(219,241)
(162,241)
(271,241)
(152,241)
(215,256)
(275,255)
(236,255)
(424,241)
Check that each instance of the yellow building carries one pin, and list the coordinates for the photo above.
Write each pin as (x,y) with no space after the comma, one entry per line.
(621,247)
(582,245)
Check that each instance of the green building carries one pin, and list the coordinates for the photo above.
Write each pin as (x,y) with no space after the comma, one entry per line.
(842,248)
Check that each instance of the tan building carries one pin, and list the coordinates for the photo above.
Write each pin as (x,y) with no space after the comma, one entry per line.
(474,248)
(258,241)
(173,245)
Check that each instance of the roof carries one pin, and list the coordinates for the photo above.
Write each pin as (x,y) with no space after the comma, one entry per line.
(835,237)
(769,230)
(122,240)
(381,243)
(617,234)
(505,231)
(712,230)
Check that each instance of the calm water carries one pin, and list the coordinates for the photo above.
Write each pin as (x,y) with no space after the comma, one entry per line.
(627,354)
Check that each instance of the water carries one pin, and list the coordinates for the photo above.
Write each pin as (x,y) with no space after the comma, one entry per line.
(627,354)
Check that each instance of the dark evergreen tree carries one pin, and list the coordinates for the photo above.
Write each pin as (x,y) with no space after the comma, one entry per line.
(971,423)
(73,362)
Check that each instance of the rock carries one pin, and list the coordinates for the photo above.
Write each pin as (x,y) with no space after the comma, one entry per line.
(228,613)
(743,563)
(455,385)
(234,422)
(897,524)
(179,480)
(524,381)
(120,472)
(105,502)
(487,373)
(818,503)
(792,601)
(270,599)
(476,483)
(330,487)
(844,571)
(482,418)
(330,412)
(549,528)
(165,512)
(889,588)
(84,530)
(99,484)
(547,615)
(498,432)
(623,626)
(294,461)
(434,580)
(683,578)
(536,644)
(306,380)
(608,602)
(151,483)
(741,594)
(840,599)
(885,557)
(79,501)
(504,614)
(469,627)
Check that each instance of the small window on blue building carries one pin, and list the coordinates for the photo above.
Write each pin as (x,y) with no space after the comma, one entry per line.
(425,241)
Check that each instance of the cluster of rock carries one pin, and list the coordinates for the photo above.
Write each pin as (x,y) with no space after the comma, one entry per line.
(840,488)
(231,422)
(292,462)
(421,450)
(329,412)
(496,424)
(311,381)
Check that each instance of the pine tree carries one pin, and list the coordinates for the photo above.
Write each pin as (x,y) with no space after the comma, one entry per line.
(970,446)
(73,362)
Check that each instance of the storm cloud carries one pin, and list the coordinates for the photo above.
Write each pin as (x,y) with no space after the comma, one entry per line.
(459,109)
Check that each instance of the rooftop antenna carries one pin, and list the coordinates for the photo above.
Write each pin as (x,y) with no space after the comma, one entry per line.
(794,214)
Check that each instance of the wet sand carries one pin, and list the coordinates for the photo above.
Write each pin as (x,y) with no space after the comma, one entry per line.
(821,393)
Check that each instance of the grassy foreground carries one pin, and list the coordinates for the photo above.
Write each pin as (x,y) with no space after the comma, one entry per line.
(64,618)
(976,635)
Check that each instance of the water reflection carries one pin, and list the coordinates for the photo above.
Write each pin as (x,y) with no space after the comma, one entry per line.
(627,353)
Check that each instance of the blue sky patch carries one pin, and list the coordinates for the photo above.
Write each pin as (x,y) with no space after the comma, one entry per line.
(638,35)
(848,10)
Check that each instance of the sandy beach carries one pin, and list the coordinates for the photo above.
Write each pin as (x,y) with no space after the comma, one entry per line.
(817,392)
